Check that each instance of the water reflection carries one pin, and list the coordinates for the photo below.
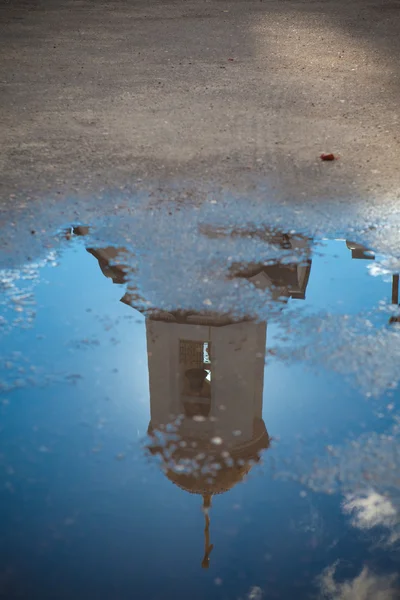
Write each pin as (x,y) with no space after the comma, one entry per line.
(206,379)
(359,251)
(206,388)
(365,586)
(206,429)
(206,376)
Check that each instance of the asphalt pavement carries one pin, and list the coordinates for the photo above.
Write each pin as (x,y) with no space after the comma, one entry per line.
(100,93)
(239,95)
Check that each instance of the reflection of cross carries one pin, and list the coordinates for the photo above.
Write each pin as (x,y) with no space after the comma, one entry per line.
(207,546)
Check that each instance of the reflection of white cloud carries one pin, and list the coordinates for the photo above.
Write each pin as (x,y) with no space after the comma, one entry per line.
(384,268)
(366,586)
(17,291)
(370,509)
(255,593)
(367,354)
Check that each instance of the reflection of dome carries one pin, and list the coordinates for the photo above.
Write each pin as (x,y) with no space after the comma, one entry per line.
(203,467)
(210,484)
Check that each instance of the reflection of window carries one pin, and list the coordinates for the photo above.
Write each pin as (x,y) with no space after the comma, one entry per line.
(195,353)
(195,377)
(191,352)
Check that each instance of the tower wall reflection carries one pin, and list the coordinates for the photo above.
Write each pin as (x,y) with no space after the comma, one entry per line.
(206,379)
(230,395)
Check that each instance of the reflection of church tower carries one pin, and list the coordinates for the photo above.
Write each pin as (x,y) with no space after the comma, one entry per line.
(284,280)
(201,369)
(206,375)
(206,384)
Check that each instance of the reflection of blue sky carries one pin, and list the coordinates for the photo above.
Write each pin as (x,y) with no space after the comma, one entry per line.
(315,402)
(339,284)
(78,316)
(317,399)
(86,512)
(342,284)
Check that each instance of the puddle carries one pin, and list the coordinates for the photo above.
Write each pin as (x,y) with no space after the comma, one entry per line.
(220,421)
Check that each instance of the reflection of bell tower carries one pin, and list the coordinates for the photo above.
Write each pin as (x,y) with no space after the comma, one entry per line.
(212,371)
(206,380)
(206,376)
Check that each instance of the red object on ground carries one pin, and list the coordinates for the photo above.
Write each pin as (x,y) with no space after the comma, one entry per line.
(231,59)
(327,156)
